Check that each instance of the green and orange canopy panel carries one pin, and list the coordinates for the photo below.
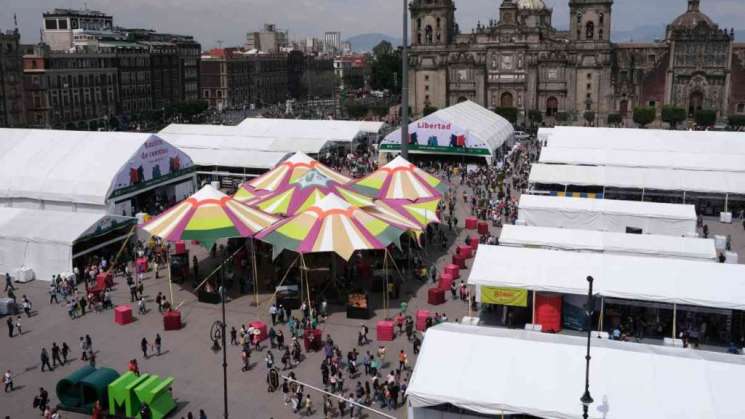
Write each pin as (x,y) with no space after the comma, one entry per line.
(400,180)
(207,216)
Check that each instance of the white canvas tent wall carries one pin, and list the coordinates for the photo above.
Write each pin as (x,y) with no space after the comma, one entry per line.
(639,178)
(707,142)
(607,242)
(607,215)
(321,129)
(42,239)
(644,159)
(64,170)
(483,128)
(498,371)
(656,279)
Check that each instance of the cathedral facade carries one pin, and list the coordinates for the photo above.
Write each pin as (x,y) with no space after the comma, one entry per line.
(520,60)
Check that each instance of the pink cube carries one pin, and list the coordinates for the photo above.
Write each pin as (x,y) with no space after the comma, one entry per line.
(421,319)
(384,329)
(123,314)
(445,281)
(465,251)
(453,270)
(483,227)
(471,223)
(261,327)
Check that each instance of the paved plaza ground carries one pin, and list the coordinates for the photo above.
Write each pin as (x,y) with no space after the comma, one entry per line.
(187,355)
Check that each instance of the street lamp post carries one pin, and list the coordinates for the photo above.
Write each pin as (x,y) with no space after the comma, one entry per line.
(224,348)
(405,87)
(586,399)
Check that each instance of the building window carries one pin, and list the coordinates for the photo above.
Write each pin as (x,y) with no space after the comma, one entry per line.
(589,86)
(62,24)
(206,93)
(600,33)
(589,30)
(741,108)
(426,78)
(50,24)
(589,76)
(601,19)
(438,23)
(419,23)
(652,104)
(552,106)
(589,96)
(651,58)
(426,88)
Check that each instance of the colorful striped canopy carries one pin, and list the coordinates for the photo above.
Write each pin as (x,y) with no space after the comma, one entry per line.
(289,171)
(306,191)
(413,216)
(332,225)
(207,216)
(400,179)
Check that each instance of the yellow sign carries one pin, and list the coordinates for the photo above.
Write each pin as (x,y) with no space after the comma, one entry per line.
(504,296)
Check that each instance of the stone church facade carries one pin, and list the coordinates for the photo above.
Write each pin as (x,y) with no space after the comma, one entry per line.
(520,60)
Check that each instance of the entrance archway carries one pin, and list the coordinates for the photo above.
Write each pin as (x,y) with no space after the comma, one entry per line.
(462,99)
(695,103)
(552,106)
(506,100)
(623,107)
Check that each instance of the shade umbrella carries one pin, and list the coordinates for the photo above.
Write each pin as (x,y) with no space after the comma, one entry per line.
(290,171)
(400,179)
(207,216)
(331,225)
(305,192)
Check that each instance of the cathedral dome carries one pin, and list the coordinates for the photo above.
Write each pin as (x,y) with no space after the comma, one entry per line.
(692,17)
(531,4)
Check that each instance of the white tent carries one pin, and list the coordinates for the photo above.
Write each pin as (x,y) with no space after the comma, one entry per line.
(607,215)
(76,170)
(639,178)
(498,371)
(322,129)
(608,242)
(42,239)
(482,132)
(707,142)
(645,159)
(657,279)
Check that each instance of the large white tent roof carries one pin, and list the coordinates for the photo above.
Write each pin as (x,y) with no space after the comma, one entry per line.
(481,122)
(651,159)
(708,142)
(323,129)
(639,178)
(608,242)
(657,279)
(43,239)
(607,215)
(63,166)
(498,371)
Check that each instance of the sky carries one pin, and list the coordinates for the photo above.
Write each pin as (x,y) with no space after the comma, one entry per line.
(229,20)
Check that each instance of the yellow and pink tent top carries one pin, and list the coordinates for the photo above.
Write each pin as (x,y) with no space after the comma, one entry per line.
(304,192)
(331,225)
(207,216)
(289,171)
(399,180)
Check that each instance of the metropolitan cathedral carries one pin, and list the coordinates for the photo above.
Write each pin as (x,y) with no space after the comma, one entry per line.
(520,60)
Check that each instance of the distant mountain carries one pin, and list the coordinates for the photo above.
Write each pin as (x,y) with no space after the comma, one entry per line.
(367,41)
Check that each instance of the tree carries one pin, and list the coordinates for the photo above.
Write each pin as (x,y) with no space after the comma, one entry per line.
(562,117)
(615,119)
(189,109)
(736,121)
(508,113)
(705,117)
(535,116)
(589,117)
(644,115)
(385,69)
(673,115)
(429,109)
(113,123)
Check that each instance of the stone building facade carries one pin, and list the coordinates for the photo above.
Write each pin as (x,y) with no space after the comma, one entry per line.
(12,113)
(520,60)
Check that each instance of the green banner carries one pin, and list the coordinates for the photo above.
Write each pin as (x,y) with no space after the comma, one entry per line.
(504,296)
(439,149)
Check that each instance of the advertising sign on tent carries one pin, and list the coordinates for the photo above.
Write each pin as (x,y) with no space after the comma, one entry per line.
(504,296)
(435,135)
(155,160)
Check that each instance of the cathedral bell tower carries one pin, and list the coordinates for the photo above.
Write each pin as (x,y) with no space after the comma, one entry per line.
(589,20)
(432,22)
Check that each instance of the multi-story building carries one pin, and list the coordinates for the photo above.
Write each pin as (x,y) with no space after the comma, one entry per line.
(269,40)
(520,60)
(72,90)
(268,75)
(225,79)
(12,112)
(332,42)
(310,76)
(63,27)
(132,61)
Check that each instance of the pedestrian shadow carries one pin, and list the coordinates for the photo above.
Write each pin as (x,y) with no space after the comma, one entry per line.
(162,352)
(180,406)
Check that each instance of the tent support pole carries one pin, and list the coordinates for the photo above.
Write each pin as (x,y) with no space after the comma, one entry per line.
(533,314)
(255,270)
(602,313)
(675,320)
(726,201)
(684,197)
(168,266)
(565,188)
(642,194)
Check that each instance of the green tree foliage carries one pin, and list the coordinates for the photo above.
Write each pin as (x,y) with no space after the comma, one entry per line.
(736,121)
(644,115)
(385,69)
(589,117)
(508,113)
(189,109)
(705,117)
(614,119)
(562,116)
(535,116)
(673,115)
(429,109)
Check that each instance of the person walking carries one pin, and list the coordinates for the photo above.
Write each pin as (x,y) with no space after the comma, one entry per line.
(26,304)
(8,282)
(18,326)
(158,342)
(11,326)
(45,360)
(65,352)
(144,346)
(53,292)
(56,354)
(8,381)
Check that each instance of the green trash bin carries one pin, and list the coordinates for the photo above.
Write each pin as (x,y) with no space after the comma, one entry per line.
(68,388)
